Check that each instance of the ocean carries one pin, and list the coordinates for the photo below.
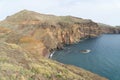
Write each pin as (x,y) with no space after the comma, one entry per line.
(104,58)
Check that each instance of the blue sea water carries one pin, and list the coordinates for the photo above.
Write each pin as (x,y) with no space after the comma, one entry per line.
(104,58)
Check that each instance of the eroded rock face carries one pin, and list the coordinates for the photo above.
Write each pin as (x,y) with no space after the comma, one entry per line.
(47,32)
(27,36)
(107,29)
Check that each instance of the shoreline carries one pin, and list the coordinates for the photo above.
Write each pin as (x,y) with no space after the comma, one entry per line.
(51,55)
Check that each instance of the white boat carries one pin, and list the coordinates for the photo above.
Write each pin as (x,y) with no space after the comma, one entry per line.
(85,51)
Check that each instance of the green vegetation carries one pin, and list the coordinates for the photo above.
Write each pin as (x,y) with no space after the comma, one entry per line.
(27,37)
(18,64)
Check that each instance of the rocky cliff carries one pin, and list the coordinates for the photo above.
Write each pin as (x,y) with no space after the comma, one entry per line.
(27,36)
(47,32)
(107,29)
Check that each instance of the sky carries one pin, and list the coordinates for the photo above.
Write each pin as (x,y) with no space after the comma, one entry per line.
(103,11)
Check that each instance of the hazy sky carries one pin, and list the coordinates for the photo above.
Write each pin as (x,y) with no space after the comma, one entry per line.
(104,11)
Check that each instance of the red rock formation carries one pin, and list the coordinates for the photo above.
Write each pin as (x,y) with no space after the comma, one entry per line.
(37,34)
(52,31)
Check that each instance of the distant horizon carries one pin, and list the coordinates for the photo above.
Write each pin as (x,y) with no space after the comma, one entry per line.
(100,11)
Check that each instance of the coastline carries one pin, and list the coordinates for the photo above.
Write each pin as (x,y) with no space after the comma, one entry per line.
(40,37)
(51,54)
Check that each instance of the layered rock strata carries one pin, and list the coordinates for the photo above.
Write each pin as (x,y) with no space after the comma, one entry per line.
(39,33)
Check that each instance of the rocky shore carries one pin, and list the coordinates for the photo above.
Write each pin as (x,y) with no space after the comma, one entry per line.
(39,34)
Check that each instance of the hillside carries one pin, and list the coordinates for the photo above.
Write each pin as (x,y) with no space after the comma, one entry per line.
(18,64)
(109,29)
(49,30)
(27,38)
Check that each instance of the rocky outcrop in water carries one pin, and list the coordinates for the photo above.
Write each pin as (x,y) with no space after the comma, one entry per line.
(18,64)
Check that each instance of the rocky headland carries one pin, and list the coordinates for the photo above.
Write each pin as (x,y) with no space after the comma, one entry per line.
(107,29)
(40,33)
(27,37)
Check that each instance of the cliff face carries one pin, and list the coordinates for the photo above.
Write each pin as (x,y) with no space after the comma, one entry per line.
(27,36)
(107,29)
(47,32)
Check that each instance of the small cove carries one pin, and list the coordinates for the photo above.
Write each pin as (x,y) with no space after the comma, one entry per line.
(102,60)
